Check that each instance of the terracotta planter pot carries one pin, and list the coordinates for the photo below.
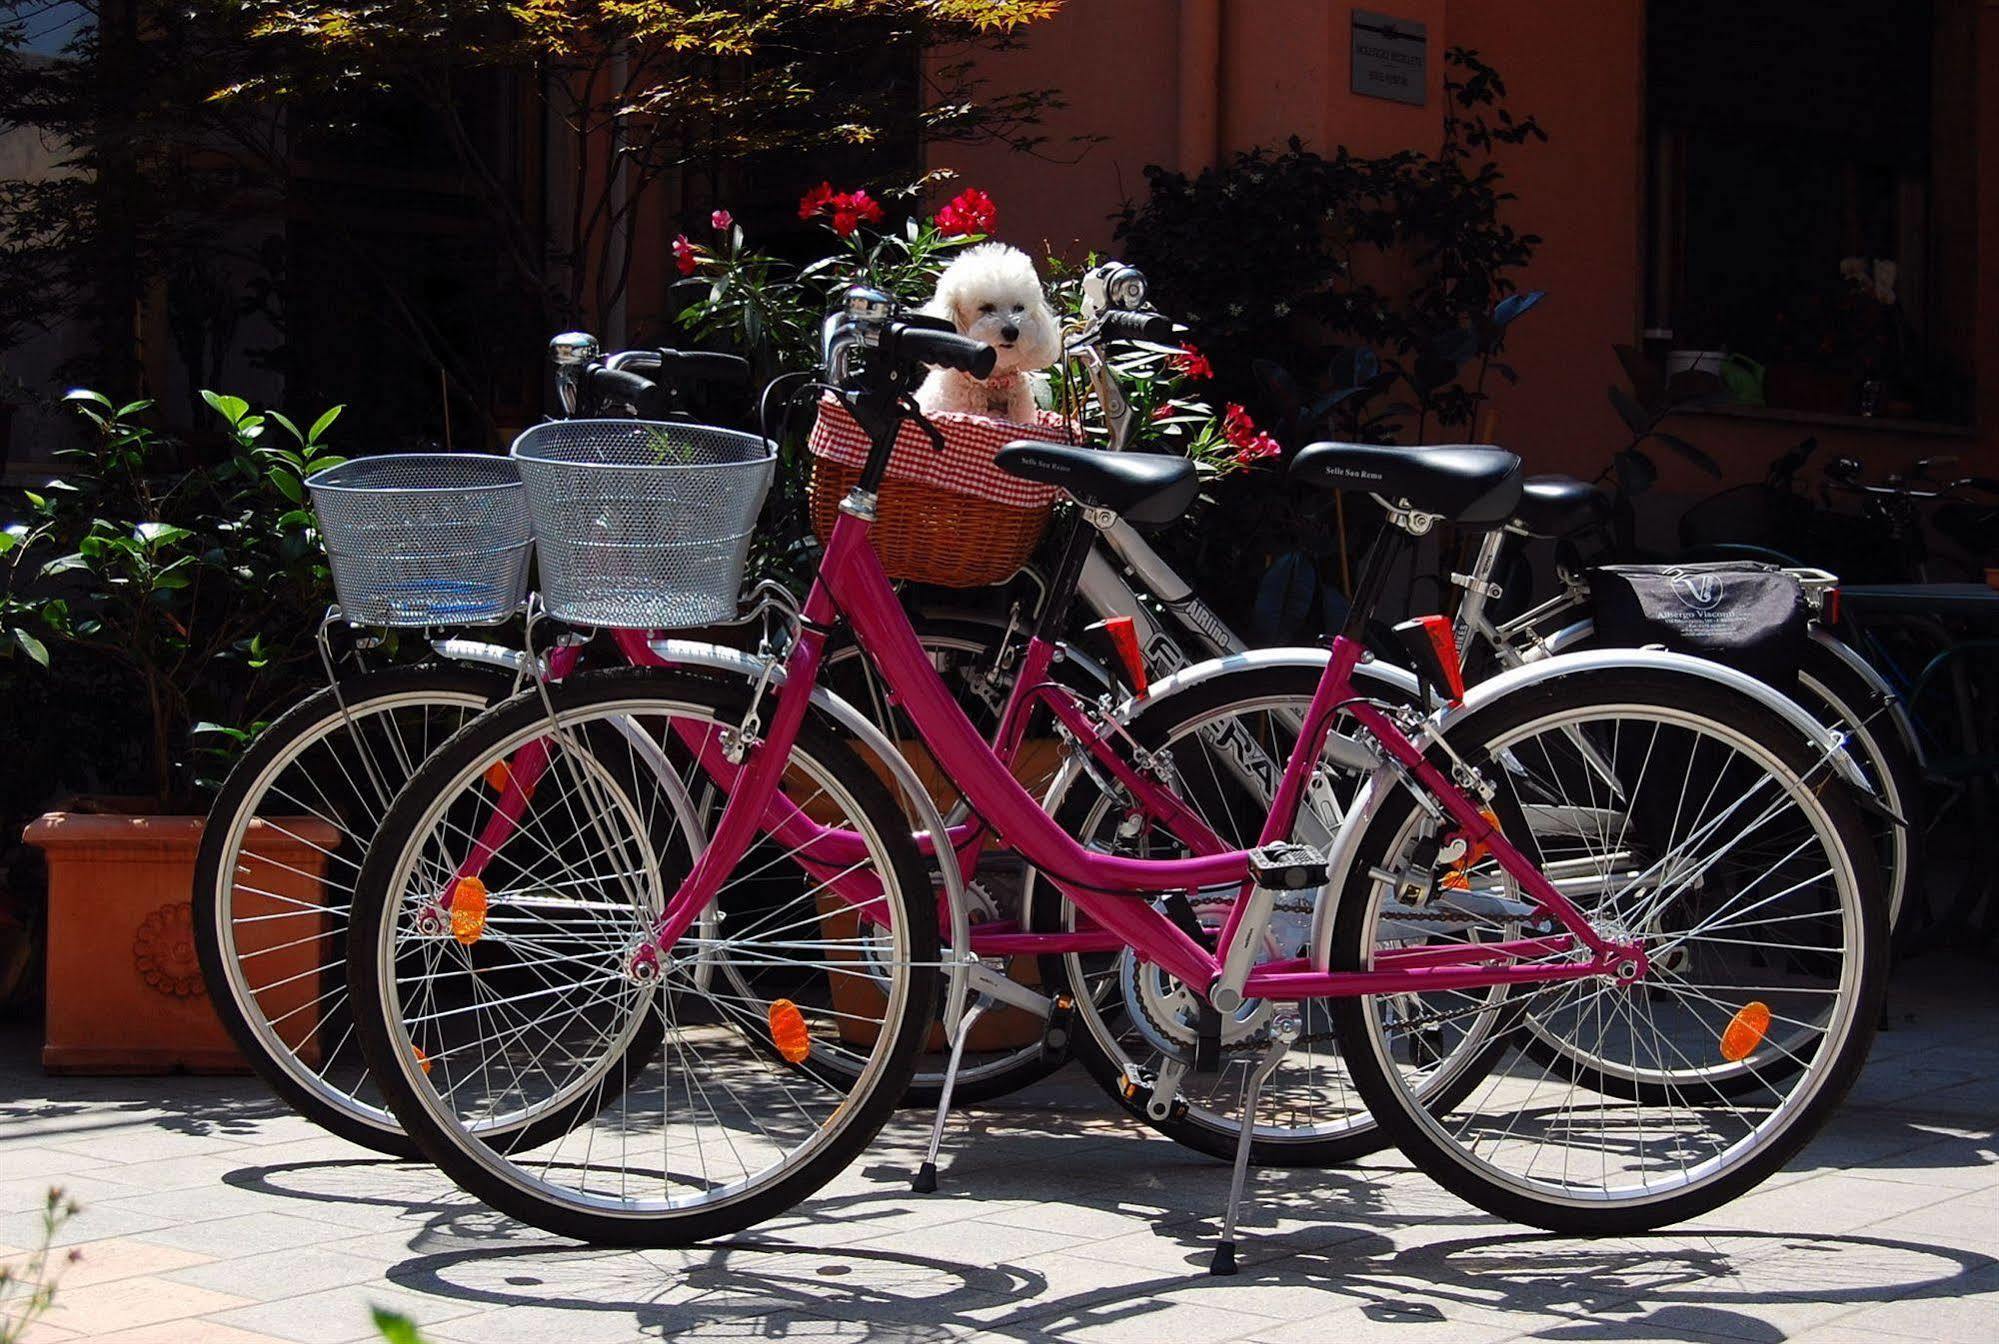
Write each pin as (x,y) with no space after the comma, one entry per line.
(125,992)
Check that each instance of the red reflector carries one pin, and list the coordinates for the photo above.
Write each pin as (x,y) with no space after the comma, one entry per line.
(1829,608)
(1123,635)
(1433,648)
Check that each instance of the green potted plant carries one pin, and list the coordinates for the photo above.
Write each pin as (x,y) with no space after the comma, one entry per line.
(196,595)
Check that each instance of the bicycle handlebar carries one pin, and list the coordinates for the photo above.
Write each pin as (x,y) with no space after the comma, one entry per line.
(694,366)
(1124,325)
(924,344)
(606,383)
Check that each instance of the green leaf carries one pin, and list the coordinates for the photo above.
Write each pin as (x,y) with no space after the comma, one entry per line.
(160,534)
(8,541)
(324,423)
(82,394)
(288,486)
(289,427)
(62,564)
(1635,417)
(31,646)
(395,1327)
(232,409)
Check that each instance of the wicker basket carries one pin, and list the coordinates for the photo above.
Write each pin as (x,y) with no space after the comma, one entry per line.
(954,521)
(927,534)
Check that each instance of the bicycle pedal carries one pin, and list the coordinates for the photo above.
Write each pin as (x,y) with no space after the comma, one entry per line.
(1282,865)
(1208,1040)
(1057,1034)
(1136,1087)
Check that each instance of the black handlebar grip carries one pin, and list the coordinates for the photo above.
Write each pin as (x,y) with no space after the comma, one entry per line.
(945,348)
(621,385)
(704,366)
(1129,326)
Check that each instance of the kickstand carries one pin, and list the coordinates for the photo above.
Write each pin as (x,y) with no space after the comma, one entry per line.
(1284,1028)
(925,1181)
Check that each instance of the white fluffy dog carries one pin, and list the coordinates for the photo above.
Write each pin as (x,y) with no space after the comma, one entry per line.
(992,294)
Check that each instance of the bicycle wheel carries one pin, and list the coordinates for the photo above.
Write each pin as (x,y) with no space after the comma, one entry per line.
(1842,699)
(317,779)
(1226,741)
(1672,811)
(534,1016)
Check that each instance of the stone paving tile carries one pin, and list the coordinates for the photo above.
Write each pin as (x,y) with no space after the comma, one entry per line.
(31,1193)
(342,1314)
(124,1258)
(123,1304)
(280,1274)
(1410,1321)
(1058,1219)
(186,1332)
(26,1161)
(94,1223)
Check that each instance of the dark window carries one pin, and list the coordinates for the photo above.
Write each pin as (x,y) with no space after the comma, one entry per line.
(1808,190)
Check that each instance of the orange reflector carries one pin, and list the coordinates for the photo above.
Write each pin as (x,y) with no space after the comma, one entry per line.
(1124,638)
(468,910)
(423,1060)
(1745,1031)
(1457,878)
(500,778)
(788,1031)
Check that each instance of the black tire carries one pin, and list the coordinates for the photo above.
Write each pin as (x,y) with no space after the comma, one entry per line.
(451,1150)
(1159,724)
(1351,949)
(316,717)
(1890,764)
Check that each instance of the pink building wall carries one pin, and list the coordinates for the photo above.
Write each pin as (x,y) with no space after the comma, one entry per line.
(1178,82)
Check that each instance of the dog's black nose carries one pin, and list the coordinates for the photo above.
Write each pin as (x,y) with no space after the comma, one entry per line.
(1009,333)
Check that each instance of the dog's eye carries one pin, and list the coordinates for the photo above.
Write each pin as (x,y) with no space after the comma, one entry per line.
(987,308)
(1020,307)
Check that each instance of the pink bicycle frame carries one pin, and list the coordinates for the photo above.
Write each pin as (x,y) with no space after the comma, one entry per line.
(851,583)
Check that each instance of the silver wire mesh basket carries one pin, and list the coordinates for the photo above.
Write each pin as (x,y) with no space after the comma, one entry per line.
(641,523)
(425,538)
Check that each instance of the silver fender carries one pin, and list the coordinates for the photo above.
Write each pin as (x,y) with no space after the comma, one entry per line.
(1570,636)
(689,653)
(1344,751)
(1898,713)
(1546,668)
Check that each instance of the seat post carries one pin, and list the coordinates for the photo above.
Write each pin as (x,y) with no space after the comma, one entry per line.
(1383,553)
(1072,551)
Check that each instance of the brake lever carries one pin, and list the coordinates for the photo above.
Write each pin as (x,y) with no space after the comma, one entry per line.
(930,431)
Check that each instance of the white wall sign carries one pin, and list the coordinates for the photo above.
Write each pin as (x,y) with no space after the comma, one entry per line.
(1390,58)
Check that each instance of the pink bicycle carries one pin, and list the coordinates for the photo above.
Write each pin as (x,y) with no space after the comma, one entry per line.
(615,1034)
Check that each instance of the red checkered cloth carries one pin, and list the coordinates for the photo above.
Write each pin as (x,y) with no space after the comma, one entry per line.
(965,466)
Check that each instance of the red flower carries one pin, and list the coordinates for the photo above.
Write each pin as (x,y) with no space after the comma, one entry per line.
(1258,448)
(970,211)
(1237,427)
(721,220)
(815,200)
(849,209)
(684,255)
(1191,363)
(1250,443)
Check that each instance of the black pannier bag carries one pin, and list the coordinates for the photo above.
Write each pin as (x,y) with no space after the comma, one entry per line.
(1739,613)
